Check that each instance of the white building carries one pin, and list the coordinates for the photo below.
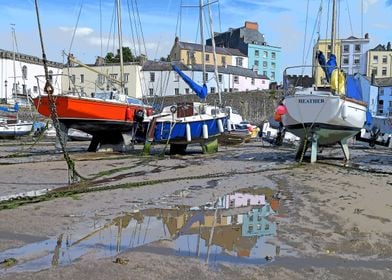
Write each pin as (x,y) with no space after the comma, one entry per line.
(18,75)
(161,80)
(353,54)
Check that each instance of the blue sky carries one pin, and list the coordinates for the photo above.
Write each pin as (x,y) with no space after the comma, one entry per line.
(281,21)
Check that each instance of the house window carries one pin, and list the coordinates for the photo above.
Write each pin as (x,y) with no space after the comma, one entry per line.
(126,77)
(82,78)
(176,77)
(375,58)
(273,65)
(253,81)
(206,77)
(384,59)
(265,73)
(187,90)
(357,60)
(273,76)
(329,47)
(345,60)
(238,61)
(220,78)
(236,79)
(265,54)
(265,64)
(256,63)
(381,92)
(101,79)
(357,48)
(24,72)
(152,77)
(374,71)
(273,55)
(384,71)
(151,92)
(256,53)
(250,228)
(113,76)
(126,91)
(346,48)
(176,91)
(207,57)
(212,90)
(223,59)
(73,77)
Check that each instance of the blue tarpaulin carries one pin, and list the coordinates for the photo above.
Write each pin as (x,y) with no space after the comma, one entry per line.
(353,88)
(13,110)
(201,91)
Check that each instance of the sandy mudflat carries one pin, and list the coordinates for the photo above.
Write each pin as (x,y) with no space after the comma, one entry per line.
(333,221)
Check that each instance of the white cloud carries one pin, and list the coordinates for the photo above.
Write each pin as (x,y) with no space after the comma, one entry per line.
(368,3)
(80,32)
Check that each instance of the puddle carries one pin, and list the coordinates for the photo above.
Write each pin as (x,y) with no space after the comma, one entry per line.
(239,234)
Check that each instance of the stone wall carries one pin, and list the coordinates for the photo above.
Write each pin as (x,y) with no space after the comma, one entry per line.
(254,106)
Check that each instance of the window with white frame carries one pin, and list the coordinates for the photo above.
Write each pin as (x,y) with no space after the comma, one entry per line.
(176,91)
(345,60)
(238,61)
(151,92)
(357,48)
(236,79)
(24,72)
(265,54)
(256,53)
(212,90)
(176,77)
(346,48)
(253,81)
(207,57)
(273,55)
(220,78)
(265,64)
(273,65)
(357,59)
(384,59)
(375,58)
(152,77)
(384,71)
(126,77)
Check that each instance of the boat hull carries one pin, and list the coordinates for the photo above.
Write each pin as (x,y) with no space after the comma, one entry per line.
(176,132)
(330,118)
(19,129)
(91,115)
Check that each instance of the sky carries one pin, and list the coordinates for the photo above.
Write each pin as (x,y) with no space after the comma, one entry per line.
(284,23)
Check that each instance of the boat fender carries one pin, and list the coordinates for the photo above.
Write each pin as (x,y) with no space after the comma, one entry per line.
(188,132)
(220,125)
(277,117)
(344,111)
(129,114)
(229,125)
(139,116)
(205,131)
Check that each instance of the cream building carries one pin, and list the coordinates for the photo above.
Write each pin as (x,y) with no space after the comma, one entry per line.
(87,79)
(379,61)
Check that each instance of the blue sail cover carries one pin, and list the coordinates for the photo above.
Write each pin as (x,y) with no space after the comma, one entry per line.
(328,66)
(14,110)
(201,92)
(353,88)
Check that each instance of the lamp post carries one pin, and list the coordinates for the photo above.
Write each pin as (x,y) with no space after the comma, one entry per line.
(5,87)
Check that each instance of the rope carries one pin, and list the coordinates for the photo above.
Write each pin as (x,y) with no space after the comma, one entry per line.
(73,175)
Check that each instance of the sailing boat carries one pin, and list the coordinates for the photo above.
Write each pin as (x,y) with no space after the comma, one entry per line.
(187,123)
(10,124)
(110,117)
(322,117)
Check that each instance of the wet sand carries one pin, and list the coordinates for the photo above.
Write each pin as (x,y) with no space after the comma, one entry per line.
(334,220)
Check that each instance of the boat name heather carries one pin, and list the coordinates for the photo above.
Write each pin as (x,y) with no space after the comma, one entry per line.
(313,101)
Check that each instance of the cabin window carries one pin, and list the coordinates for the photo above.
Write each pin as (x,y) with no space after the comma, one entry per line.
(357,48)
(81,78)
(236,79)
(151,92)
(384,59)
(24,72)
(152,77)
(346,48)
(220,78)
(256,53)
(176,91)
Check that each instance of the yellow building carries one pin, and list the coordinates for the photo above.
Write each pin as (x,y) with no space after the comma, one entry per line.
(324,46)
(379,61)
(191,54)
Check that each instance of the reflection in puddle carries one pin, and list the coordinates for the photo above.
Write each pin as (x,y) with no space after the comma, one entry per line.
(235,230)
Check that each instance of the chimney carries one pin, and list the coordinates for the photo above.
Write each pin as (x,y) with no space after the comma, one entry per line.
(366,35)
(176,40)
(251,25)
(389,46)
(372,78)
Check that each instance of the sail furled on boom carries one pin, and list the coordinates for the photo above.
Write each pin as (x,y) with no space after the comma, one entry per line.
(201,91)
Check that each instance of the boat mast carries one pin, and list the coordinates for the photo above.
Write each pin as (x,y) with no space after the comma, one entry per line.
(14,93)
(333,29)
(202,41)
(120,47)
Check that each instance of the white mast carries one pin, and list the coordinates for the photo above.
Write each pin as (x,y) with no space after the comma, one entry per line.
(14,93)
(202,41)
(120,47)
(333,29)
